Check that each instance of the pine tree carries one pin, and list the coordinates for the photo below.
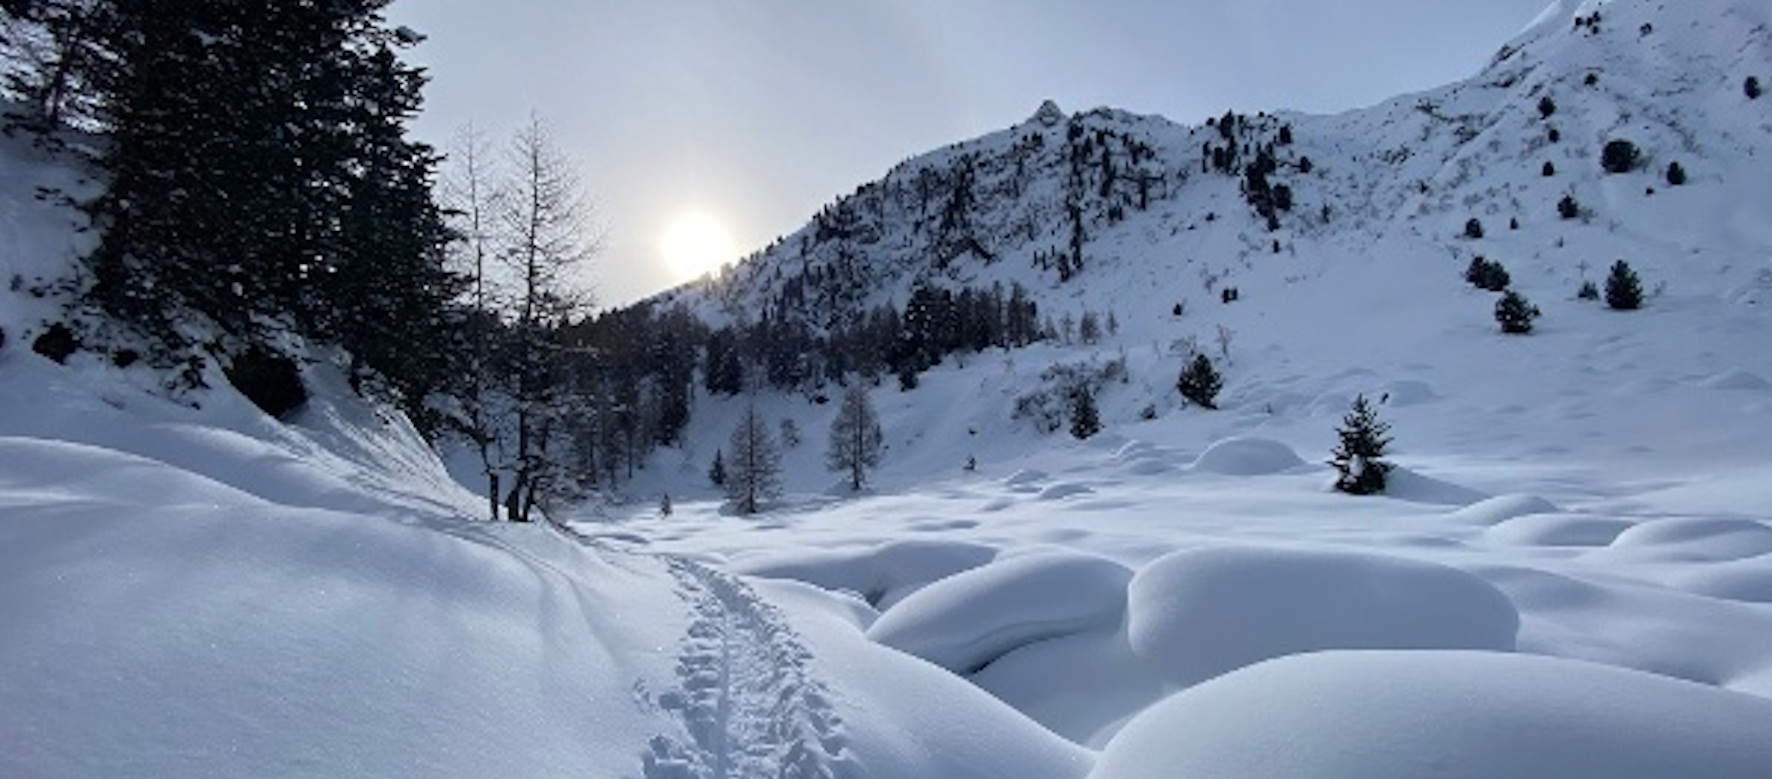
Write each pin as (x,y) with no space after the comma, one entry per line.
(1515,313)
(1358,456)
(857,442)
(1623,291)
(1200,382)
(754,475)
(1085,417)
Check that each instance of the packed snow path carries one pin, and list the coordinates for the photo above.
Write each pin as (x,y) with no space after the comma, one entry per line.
(747,701)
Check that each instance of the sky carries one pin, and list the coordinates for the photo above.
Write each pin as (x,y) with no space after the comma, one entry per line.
(747,116)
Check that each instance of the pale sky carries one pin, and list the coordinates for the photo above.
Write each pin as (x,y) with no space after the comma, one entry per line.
(755,113)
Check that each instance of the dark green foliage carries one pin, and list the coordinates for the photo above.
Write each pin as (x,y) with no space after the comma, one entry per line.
(1085,417)
(260,182)
(1567,208)
(1515,313)
(1200,382)
(1473,229)
(1620,156)
(1751,87)
(1676,174)
(58,343)
(1588,291)
(1485,274)
(717,471)
(270,380)
(1358,457)
(1623,290)
(1546,107)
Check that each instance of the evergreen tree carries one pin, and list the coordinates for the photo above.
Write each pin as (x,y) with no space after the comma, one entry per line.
(717,471)
(1623,291)
(1473,229)
(754,475)
(1358,457)
(1515,313)
(1200,382)
(1676,174)
(1085,417)
(857,443)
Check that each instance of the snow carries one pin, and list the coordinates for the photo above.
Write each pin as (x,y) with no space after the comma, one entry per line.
(967,620)
(191,588)
(1199,613)
(1362,714)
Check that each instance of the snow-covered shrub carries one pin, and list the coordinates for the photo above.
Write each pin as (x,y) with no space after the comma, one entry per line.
(1486,274)
(1473,229)
(58,343)
(1620,156)
(1568,208)
(270,380)
(1676,174)
(1588,291)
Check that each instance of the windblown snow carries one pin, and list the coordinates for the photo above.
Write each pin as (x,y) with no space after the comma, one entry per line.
(1570,576)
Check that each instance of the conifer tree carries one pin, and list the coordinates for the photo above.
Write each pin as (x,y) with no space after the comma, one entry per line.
(1515,313)
(1358,455)
(717,471)
(1623,291)
(857,442)
(1085,417)
(754,475)
(1200,382)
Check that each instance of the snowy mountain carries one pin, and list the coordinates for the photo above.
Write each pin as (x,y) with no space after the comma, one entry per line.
(1569,575)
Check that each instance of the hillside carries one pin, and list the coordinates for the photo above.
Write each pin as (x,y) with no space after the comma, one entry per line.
(1569,575)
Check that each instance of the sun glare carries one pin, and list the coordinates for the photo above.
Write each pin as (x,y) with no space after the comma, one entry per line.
(695,244)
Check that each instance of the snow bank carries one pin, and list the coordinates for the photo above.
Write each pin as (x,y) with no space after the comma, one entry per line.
(971,618)
(1199,613)
(881,575)
(267,641)
(1692,540)
(1451,715)
(1080,686)
(1247,457)
(1502,508)
(1557,530)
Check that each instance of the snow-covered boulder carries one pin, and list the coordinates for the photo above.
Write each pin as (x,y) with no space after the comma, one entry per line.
(1449,715)
(966,620)
(1195,614)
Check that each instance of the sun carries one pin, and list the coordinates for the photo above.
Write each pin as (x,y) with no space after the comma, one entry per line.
(694,244)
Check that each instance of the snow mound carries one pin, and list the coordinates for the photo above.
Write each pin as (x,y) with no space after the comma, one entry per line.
(1078,686)
(969,619)
(1199,613)
(1747,580)
(1557,530)
(1401,394)
(1247,457)
(1451,715)
(1502,508)
(881,575)
(1702,539)
(1064,490)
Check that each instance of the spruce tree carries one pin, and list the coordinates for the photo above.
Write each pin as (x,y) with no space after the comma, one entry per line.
(717,471)
(857,442)
(1200,382)
(1623,291)
(1358,457)
(1515,313)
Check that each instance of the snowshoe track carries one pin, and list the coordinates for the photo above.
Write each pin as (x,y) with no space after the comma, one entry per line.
(748,704)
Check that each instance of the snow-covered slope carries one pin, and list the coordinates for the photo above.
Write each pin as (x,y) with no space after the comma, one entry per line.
(190,588)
